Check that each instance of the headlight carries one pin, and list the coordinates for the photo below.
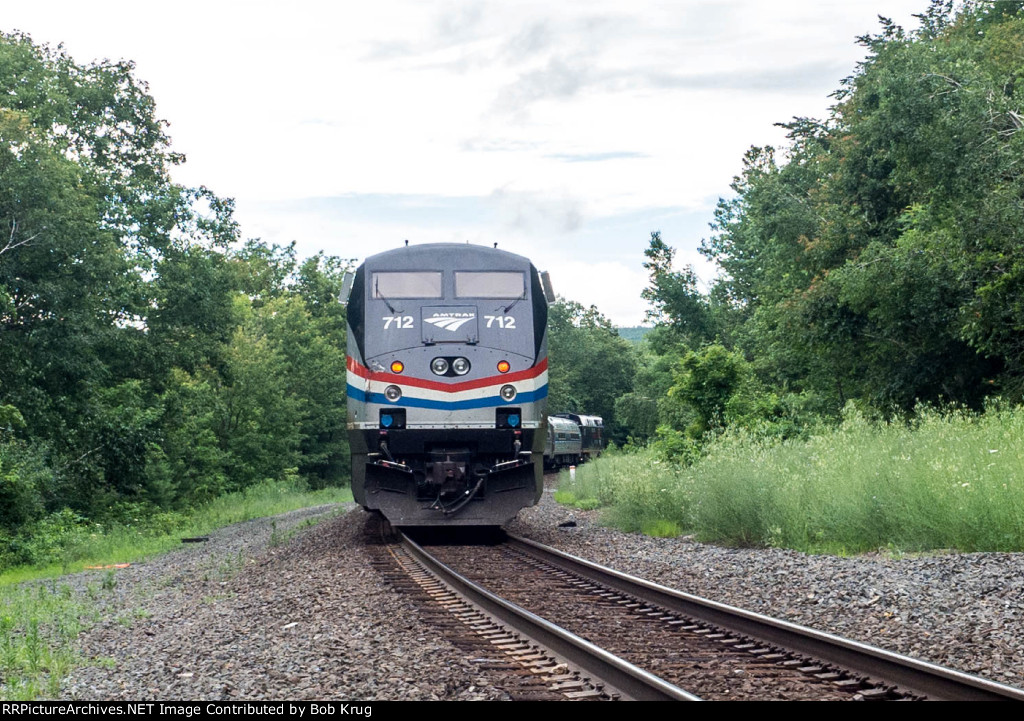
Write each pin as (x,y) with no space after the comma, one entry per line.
(460,366)
(508,392)
(439,366)
(503,366)
(397,366)
(393,393)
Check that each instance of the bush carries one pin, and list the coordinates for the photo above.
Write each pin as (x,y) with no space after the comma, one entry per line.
(24,476)
(58,538)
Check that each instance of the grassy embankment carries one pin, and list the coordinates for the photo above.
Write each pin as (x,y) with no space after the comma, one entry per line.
(40,622)
(946,481)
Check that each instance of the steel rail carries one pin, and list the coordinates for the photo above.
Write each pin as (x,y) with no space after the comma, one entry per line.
(631,681)
(913,675)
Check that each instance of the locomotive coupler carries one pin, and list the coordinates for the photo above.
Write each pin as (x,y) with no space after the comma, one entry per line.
(448,476)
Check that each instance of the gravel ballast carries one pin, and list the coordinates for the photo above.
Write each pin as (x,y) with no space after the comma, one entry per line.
(258,613)
(255,614)
(965,611)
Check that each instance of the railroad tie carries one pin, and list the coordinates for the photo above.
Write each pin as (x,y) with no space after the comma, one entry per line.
(523,657)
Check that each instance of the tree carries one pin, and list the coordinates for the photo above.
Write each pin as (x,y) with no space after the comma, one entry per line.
(590,366)
(674,296)
(880,261)
(705,380)
(146,362)
(88,218)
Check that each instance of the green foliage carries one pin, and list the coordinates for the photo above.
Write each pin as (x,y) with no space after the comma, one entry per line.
(23,476)
(661,529)
(64,541)
(58,536)
(195,311)
(40,621)
(704,382)
(147,368)
(676,446)
(646,406)
(590,365)
(39,626)
(947,480)
(637,490)
(145,364)
(568,498)
(195,463)
(674,296)
(634,334)
(10,418)
(878,260)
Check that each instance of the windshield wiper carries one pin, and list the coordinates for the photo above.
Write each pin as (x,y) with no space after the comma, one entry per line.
(512,304)
(376,292)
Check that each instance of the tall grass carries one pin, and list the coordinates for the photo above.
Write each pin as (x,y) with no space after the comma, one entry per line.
(38,629)
(638,491)
(947,480)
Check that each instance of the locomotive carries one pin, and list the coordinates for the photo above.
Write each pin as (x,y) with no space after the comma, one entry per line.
(447,384)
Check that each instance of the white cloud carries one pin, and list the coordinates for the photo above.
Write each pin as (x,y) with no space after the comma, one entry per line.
(490,100)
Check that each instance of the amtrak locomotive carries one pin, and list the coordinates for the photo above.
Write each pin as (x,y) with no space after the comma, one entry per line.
(447,384)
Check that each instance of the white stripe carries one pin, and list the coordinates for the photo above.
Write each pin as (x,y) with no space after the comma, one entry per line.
(489,391)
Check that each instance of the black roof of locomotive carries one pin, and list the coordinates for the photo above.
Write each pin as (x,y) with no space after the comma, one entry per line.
(463,256)
(445,257)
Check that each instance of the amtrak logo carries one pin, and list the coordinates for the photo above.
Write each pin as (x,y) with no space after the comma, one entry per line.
(451,321)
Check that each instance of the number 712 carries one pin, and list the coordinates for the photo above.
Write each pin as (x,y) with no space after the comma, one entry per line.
(400,321)
(503,321)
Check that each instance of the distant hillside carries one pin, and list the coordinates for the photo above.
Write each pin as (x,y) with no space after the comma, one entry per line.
(634,334)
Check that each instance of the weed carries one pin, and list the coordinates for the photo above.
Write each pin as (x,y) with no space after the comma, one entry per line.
(213,599)
(33,646)
(8,650)
(661,529)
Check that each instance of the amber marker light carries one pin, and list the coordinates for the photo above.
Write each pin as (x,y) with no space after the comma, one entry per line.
(397,366)
(503,366)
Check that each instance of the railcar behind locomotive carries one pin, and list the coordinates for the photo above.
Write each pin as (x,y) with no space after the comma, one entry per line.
(591,434)
(447,384)
(564,444)
(573,439)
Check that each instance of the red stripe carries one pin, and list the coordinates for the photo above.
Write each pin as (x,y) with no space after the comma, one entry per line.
(364,372)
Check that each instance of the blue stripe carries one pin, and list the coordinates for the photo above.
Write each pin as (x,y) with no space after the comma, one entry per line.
(410,402)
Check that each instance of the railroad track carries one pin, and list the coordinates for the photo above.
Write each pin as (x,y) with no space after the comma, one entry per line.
(579,630)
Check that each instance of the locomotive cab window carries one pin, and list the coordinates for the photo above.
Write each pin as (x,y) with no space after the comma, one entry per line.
(393,284)
(490,285)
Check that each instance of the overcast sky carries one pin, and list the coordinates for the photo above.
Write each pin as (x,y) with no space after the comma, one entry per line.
(566,132)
